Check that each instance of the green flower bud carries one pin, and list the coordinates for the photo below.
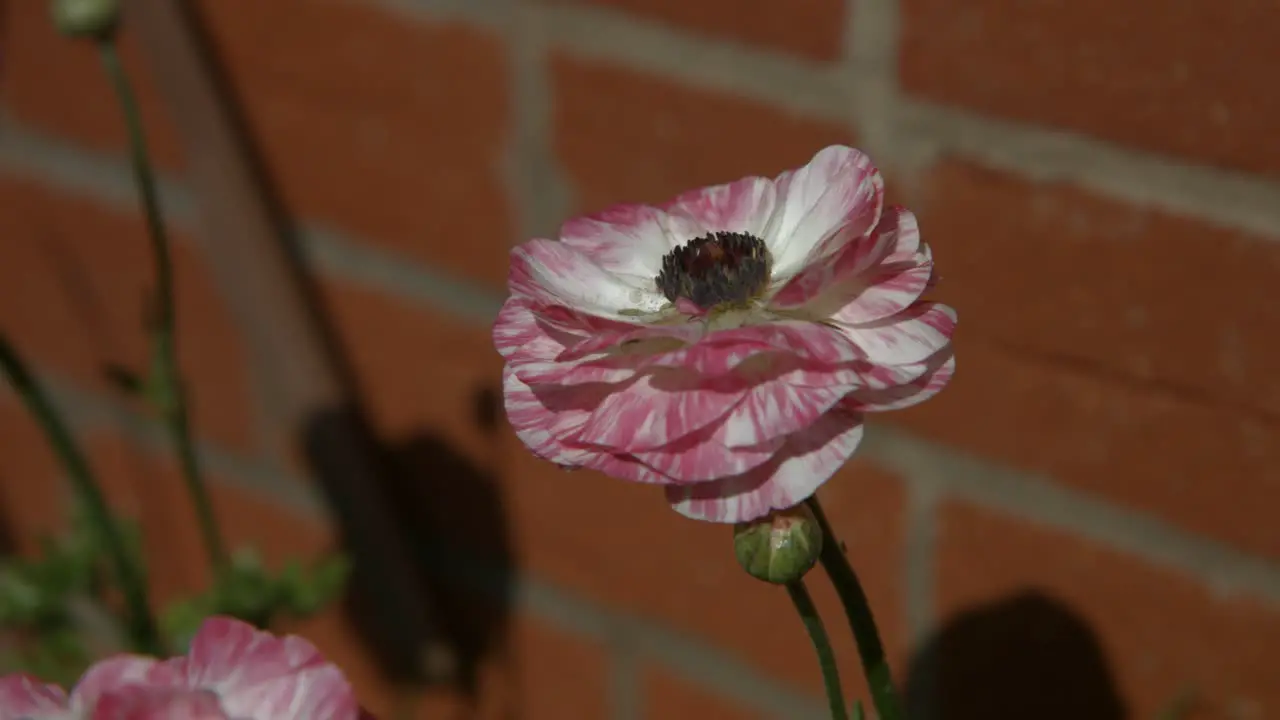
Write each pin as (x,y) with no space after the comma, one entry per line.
(780,547)
(85,18)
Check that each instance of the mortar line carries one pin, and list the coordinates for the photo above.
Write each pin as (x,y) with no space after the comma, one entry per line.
(539,191)
(953,474)
(641,639)
(869,66)
(909,133)
(919,559)
(986,483)
(625,696)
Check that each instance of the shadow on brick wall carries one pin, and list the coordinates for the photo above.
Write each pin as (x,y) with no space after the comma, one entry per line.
(447,515)
(438,500)
(1027,656)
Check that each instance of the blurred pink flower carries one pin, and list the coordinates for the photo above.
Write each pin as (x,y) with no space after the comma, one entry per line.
(726,344)
(231,672)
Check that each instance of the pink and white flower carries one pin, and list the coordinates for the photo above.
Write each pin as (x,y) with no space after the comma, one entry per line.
(726,344)
(232,671)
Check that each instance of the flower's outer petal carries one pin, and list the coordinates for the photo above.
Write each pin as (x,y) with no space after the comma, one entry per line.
(542,420)
(744,206)
(806,461)
(906,338)
(148,702)
(785,405)
(939,370)
(258,675)
(833,200)
(555,273)
(629,240)
(23,695)
(519,337)
(119,671)
(657,409)
(827,287)
(703,456)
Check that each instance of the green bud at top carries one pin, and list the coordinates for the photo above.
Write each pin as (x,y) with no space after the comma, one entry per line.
(85,18)
(780,547)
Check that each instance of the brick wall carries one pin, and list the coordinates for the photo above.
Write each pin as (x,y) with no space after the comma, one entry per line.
(1090,508)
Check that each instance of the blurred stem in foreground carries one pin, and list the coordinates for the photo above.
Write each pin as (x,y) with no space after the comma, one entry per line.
(165,382)
(128,574)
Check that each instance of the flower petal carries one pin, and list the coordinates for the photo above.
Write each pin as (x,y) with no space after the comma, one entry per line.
(702,456)
(894,247)
(554,273)
(830,201)
(258,675)
(543,420)
(938,372)
(146,702)
(629,240)
(658,408)
(906,338)
(119,671)
(805,462)
(23,695)
(745,205)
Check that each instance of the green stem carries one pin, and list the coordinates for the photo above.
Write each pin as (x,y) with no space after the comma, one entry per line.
(142,628)
(168,383)
(870,650)
(822,645)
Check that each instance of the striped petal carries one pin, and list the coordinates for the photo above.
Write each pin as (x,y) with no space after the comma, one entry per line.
(909,337)
(23,695)
(822,206)
(805,462)
(746,205)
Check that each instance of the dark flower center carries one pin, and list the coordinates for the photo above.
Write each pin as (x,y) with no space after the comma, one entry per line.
(720,268)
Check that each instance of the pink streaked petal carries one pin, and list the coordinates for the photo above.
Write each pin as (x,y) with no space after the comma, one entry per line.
(629,240)
(939,370)
(784,406)
(519,336)
(23,695)
(309,693)
(806,461)
(119,671)
(695,459)
(145,702)
(625,467)
(832,200)
(542,421)
(554,273)
(884,296)
(894,243)
(906,338)
(745,205)
(658,408)
(258,675)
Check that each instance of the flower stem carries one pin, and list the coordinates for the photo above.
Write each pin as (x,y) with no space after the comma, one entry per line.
(870,650)
(141,626)
(168,389)
(822,645)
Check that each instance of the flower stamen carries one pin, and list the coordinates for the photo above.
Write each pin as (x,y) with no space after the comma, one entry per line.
(717,270)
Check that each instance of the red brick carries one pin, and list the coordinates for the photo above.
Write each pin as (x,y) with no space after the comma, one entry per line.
(1054,270)
(808,28)
(378,124)
(1160,632)
(1174,80)
(629,137)
(32,489)
(621,545)
(420,369)
(667,696)
(74,279)
(1201,466)
(57,85)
